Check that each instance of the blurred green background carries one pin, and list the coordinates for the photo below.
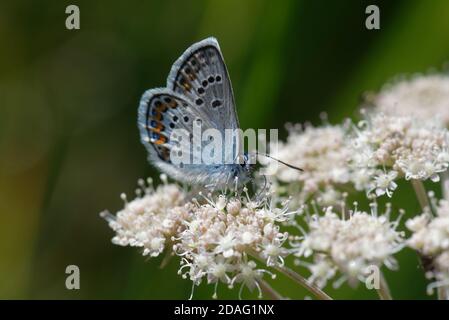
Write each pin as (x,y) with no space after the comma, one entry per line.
(69,142)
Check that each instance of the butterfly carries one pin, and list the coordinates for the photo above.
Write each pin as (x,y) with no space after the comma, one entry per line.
(198,91)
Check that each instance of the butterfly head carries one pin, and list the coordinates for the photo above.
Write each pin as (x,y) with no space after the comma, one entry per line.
(247,166)
(249,162)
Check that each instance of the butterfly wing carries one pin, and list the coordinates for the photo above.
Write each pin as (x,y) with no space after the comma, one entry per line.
(165,121)
(200,74)
(198,90)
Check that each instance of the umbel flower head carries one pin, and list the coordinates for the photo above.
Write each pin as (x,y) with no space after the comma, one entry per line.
(218,239)
(224,235)
(151,219)
(322,153)
(424,96)
(387,147)
(349,244)
(431,239)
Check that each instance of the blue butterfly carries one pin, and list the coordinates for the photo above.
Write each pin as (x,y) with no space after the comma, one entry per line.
(198,91)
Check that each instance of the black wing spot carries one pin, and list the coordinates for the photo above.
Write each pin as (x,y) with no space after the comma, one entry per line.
(186,119)
(171,125)
(175,118)
(204,83)
(199,102)
(218,78)
(201,90)
(211,79)
(216,103)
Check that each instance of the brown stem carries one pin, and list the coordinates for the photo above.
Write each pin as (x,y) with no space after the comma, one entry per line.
(384,290)
(421,194)
(317,292)
(269,291)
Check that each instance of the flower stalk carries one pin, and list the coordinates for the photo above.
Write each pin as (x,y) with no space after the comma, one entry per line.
(317,292)
(384,290)
(269,291)
(420,191)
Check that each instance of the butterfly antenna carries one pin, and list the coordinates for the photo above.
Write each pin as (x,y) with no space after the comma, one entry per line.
(280,161)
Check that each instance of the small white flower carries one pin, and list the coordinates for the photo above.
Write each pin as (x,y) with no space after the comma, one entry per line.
(384,183)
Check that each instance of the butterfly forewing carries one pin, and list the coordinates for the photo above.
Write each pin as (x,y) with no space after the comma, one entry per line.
(201,75)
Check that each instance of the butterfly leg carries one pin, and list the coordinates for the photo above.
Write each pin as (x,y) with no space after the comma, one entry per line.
(262,192)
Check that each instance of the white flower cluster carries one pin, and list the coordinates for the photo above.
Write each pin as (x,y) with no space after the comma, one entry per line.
(350,244)
(233,239)
(385,147)
(219,241)
(431,239)
(426,97)
(223,236)
(323,155)
(149,221)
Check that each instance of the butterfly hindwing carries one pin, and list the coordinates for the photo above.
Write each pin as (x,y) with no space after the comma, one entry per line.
(166,120)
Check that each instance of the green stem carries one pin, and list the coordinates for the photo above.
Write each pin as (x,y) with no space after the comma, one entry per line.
(445,184)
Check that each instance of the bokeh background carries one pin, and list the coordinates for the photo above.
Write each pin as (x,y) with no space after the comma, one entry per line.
(69,142)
